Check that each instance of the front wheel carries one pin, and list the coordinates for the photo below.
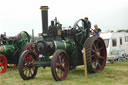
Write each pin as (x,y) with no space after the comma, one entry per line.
(27,69)
(60,65)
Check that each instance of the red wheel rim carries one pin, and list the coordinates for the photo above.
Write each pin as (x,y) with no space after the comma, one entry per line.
(3,63)
(31,47)
(61,66)
(98,55)
(28,67)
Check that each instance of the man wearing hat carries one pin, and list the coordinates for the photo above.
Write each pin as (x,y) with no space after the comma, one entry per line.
(86,20)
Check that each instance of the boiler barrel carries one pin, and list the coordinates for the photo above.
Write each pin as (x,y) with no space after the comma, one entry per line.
(7,50)
(66,45)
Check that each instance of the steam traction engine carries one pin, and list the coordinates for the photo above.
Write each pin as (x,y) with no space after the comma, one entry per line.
(11,48)
(62,50)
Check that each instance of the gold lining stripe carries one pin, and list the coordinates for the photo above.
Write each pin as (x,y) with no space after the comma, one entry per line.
(55,45)
(1,49)
(4,48)
(64,44)
(43,8)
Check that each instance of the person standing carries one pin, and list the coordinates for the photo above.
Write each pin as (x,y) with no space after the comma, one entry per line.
(89,23)
(97,30)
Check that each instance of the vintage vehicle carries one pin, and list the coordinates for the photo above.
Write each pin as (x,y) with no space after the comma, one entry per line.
(116,45)
(12,47)
(61,49)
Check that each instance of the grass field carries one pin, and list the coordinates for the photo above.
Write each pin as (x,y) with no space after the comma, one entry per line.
(113,74)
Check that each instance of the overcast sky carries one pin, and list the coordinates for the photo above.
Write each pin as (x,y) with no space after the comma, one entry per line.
(25,15)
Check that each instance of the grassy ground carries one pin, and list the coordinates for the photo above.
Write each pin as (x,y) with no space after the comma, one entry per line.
(113,74)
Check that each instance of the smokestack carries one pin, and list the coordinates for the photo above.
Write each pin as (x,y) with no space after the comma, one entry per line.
(44,12)
(33,40)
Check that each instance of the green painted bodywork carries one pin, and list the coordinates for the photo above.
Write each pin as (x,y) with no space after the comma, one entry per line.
(7,50)
(66,45)
(70,42)
(13,50)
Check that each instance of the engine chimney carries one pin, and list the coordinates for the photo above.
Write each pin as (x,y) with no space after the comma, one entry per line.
(44,12)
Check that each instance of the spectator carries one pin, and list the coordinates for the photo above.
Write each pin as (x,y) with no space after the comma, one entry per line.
(97,30)
(89,23)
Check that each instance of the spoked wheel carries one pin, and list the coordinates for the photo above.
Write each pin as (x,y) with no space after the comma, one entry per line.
(3,63)
(96,54)
(60,65)
(26,68)
(31,47)
(81,32)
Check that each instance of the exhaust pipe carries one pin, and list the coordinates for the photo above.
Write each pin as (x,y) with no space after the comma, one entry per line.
(44,13)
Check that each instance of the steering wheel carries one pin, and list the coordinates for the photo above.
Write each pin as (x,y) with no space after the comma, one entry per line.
(81,32)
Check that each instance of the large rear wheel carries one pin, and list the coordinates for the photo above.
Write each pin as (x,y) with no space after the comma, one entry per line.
(96,54)
(3,63)
(27,69)
(60,65)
